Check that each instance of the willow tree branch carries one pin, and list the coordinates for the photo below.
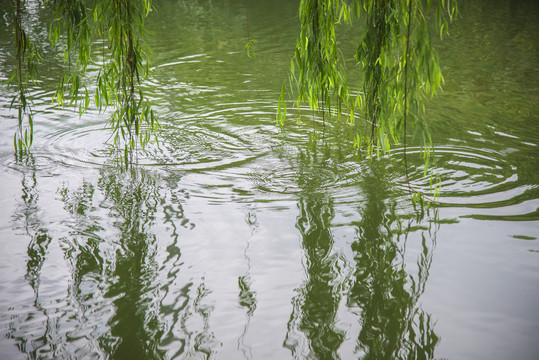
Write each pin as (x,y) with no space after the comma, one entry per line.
(406,55)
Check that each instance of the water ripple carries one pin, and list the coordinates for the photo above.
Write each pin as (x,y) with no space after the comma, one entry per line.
(489,182)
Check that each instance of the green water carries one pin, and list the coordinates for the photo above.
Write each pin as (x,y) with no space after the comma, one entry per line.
(237,240)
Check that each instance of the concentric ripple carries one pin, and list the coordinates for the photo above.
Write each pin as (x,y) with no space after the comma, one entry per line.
(489,182)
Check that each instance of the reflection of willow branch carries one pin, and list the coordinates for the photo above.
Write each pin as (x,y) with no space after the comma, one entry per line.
(204,339)
(393,324)
(83,254)
(28,215)
(121,272)
(174,213)
(316,305)
(182,307)
(175,303)
(135,325)
(199,343)
(247,297)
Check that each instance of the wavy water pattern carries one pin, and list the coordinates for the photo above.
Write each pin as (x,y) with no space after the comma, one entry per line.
(234,238)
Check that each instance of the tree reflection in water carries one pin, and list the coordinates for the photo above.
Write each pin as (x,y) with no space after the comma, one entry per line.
(315,306)
(135,328)
(28,215)
(31,338)
(393,325)
(118,306)
(247,297)
(375,285)
(114,280)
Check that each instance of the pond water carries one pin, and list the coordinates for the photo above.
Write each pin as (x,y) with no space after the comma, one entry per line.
(234,239)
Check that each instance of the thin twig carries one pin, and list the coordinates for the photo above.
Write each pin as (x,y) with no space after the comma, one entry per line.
(406,55)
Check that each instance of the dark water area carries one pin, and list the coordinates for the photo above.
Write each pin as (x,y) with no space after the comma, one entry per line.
(235,239)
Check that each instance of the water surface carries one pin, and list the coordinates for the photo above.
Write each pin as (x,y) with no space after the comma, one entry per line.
(235,239)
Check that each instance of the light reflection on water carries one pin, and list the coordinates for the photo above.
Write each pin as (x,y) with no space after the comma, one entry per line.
(236,239)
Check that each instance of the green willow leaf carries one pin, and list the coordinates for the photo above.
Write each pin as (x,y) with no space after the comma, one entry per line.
(398,65)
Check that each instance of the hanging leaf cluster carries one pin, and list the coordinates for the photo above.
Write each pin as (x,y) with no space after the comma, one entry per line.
(317,72)
(395,57)
(77,28)
(24,74)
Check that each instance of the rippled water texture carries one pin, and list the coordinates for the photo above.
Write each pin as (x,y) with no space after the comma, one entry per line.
(234,239)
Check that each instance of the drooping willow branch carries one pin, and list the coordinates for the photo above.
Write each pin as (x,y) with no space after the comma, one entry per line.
(405,115)
(317,72)
(398,64)
(23,74)
(133,121)
(74,28)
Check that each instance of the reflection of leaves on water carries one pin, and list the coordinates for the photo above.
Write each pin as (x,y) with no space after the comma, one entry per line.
(315,307)
(135,327)
(312,330)
(41,336)
(132,196)
(26,215)
(119,271)
(188,343)
(37,251)
(186,311)
(78,201)
(204,340)
(174,214)
(247,297)
(84,251)
(393,324)
(188,334)
(247,300)
(378,287)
